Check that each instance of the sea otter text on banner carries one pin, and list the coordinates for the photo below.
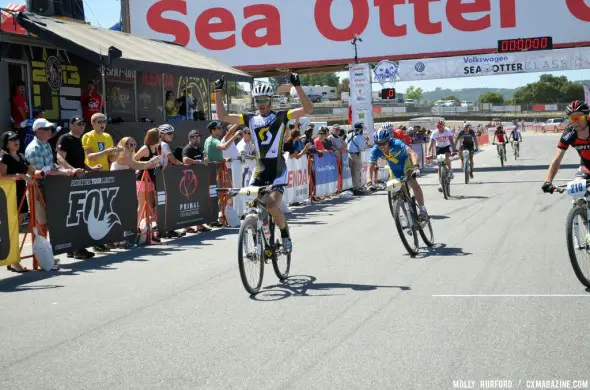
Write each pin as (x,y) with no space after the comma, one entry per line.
(256,34)
(9,245)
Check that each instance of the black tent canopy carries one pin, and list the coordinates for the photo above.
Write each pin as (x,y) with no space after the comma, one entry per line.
(135,53)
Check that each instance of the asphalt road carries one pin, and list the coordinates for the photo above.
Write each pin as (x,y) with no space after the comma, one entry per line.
(495,300)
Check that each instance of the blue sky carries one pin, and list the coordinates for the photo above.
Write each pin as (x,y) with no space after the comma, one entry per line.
(105,13)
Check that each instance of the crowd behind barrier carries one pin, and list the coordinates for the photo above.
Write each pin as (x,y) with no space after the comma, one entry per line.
(101,207)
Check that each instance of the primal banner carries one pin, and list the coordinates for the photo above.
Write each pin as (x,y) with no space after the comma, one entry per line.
(495,64)
(256,34)
(9,245)
(326,174)
(95,209)
(187,196)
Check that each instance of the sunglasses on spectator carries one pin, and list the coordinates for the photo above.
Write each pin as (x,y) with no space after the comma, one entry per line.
(576,118)
(262,100)
(194,136)
(132,145)
(44,128)
(80,123)
(101,121)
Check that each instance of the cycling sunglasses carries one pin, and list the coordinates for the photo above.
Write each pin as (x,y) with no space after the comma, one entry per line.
(576,118)
(262,100)
(382,143)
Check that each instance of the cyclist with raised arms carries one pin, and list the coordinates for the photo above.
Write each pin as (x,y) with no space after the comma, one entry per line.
(402,161)
(576,135)
(468,140)
(268,133)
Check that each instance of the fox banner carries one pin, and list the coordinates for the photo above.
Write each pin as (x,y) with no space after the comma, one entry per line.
(9,245)
(298,178)
(326,174)
(187,196)
(95,209)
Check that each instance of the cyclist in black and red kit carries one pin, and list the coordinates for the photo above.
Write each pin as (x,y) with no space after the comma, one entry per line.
(576,135)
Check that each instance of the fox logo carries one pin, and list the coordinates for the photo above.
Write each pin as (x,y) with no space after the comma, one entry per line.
(96,209)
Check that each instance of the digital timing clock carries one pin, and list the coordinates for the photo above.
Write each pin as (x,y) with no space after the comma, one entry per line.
(388,93)
(525,44)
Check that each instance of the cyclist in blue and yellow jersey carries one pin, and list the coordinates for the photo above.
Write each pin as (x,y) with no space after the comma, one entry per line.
(268,135)
(401,160)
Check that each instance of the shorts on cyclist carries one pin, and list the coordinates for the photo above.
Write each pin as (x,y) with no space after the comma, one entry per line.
(467,146)
(444,150)
(259,179)
(399,170)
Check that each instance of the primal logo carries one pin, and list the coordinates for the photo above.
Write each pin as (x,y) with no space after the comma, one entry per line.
(95,208)
(188,183)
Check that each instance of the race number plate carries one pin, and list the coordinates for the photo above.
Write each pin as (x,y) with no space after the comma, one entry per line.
(576,189)
(394,185)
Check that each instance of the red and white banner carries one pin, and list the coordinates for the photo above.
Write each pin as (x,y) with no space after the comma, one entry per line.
(254,34)
(298,178)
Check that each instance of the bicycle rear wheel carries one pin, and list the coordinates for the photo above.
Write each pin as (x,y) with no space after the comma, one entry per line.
(466,170)
(578,238)
(443,180)
(281,262)
(251,254)
(402,215)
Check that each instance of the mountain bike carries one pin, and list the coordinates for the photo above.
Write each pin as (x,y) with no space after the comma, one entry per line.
(501,153)
(444,175)
(258,240)
(467,168)
(516,148)
(402,205)
(577,227)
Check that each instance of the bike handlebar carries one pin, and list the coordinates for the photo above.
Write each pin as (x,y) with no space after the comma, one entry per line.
(250,190)
(562,188)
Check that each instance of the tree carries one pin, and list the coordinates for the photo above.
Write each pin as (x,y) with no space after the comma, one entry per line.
(413,93)
(452,97)
(492,97)
(549,89)
(321,79)
(344,85)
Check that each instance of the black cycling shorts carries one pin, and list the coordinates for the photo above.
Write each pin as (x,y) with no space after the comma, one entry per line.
(275,188)
(469,146)
(443,150)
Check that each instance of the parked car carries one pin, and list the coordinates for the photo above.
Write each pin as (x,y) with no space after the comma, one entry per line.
(555,125)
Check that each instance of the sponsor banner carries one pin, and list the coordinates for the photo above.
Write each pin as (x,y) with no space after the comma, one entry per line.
(298,178)
(121,93)
(586,94)
(95,209)
(326,174)
(361,96)
(187,196)
(9,245)
(506,108)
(254,35)
(495,64)
(346,173)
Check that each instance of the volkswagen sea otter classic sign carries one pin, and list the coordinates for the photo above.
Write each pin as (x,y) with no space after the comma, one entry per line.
(258,34)
(95,209)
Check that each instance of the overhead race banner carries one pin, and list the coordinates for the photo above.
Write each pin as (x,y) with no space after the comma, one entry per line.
(495,64)
(95,209)
(9,245)
(187,196)
(361,95)
(254,34)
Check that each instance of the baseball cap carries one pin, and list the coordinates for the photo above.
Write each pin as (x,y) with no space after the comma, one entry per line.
(213,124)
(76,119)
(323,130)
(42,123)
(193,133)
(359,125)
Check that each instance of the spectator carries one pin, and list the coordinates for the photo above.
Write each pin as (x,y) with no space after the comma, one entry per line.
(70,155)
(147,152)
(192,154)
(228,141)
(172,106)
(245,147)
(91,102)
(294,147)
(356,143)
(335,140)
(19,110)
(14,163)
(98,145)
(25,131)
(166,136)
(40,155)
(318,142)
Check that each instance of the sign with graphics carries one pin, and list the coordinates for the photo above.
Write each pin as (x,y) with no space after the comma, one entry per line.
(9,245)
(361,95)
(326,174)
(495,64)
(253,34)
(297,189)
(385,72)
(121,93)
(346,173)
(187,196)
(95,209)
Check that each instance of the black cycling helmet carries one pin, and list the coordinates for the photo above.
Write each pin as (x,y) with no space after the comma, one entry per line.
(577,106)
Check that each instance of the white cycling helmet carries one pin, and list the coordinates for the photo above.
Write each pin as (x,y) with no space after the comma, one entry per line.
(262,90)
(388,126)
(166,129)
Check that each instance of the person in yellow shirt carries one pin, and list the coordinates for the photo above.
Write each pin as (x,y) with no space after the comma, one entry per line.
(98,145)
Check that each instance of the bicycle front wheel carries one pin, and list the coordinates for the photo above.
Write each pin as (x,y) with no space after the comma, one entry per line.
(405,226)
(578,240)
(251,254)
(281,261)
(466,170)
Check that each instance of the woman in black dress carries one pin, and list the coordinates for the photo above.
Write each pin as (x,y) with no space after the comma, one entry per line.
(14,163)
